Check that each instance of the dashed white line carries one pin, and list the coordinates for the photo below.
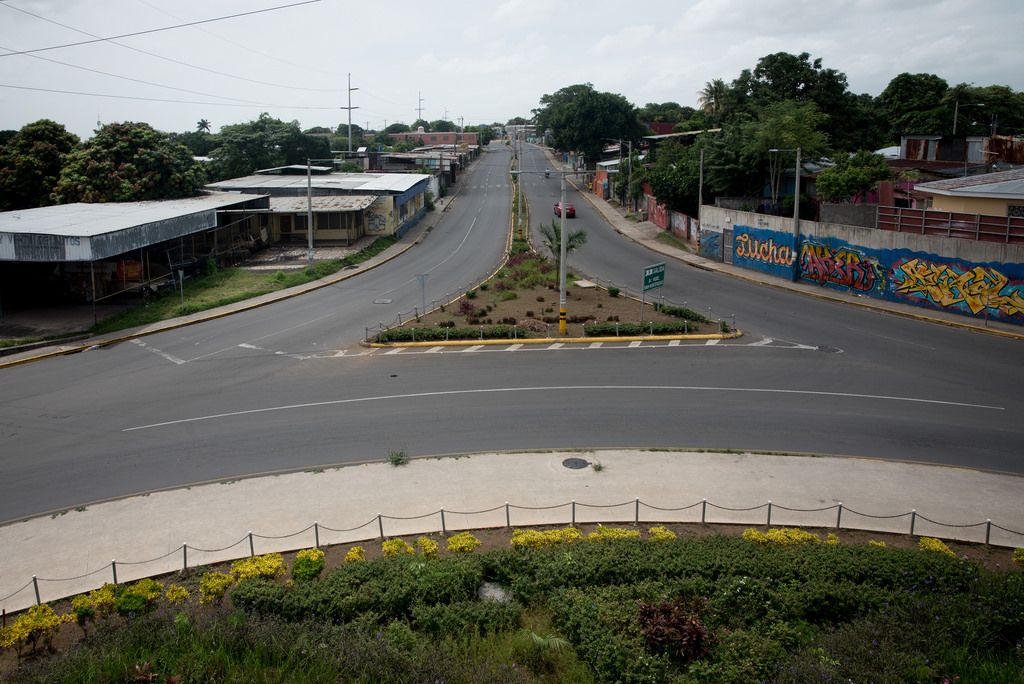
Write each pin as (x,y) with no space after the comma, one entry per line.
(169,357)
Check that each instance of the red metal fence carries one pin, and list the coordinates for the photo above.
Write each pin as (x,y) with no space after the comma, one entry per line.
(1004,229)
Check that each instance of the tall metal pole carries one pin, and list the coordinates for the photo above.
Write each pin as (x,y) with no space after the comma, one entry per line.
(796,221)
(519,183)
(561,262)
(309,211)
(350,89)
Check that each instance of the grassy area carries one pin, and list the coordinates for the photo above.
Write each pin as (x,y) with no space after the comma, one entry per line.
(228,286)
(670,239)
(618,605)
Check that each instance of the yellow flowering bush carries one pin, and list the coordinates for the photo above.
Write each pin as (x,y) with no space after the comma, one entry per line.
(786,536)
(213,586)
(308,565)
(355,555)
(464,542)
(396,547)
(936,545)
(38,622)
(535,539)
(1018,556)
(832,539)
(176,594)
(267,566)
(605,533)
(428,547)
(877,543)
(661,534)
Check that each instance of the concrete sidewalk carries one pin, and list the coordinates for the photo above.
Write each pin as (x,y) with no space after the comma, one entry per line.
(159,532)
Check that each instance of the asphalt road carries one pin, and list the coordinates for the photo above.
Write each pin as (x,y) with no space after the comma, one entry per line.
(283,388)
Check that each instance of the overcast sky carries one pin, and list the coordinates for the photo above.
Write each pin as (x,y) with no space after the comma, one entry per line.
(478,61)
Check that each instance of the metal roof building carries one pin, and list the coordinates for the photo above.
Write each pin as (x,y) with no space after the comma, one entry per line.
(92,232)
(323,184)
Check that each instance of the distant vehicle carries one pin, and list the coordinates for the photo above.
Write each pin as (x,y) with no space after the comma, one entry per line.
(570,211)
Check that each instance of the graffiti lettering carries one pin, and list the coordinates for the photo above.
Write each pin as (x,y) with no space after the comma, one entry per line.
(841,267)
(947,285)
(377,223)
(763,250)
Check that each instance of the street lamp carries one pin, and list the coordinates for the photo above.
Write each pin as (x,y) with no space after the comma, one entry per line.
(796,212)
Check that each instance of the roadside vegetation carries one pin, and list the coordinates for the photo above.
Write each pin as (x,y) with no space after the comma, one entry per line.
(617,605)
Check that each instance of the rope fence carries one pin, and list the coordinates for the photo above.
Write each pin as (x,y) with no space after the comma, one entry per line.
(1008,538)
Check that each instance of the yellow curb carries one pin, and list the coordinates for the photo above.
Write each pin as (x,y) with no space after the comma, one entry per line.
(553,340)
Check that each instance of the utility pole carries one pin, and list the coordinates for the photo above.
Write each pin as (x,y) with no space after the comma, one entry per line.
(561,262)
(350,108)
(419,110)
(309,210)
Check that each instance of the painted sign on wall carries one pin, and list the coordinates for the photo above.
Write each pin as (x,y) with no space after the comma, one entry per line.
(843,267)
(764,250)
(974,290)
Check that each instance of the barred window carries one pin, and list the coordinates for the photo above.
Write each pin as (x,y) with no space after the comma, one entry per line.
(1015,210)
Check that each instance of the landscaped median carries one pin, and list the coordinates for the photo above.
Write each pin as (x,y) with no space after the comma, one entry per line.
(519,305)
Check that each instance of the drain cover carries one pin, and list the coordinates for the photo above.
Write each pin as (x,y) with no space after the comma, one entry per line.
(575,463)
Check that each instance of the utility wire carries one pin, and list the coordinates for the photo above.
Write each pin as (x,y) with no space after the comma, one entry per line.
(156,30)
(149,83)
(169,59)
(154,99)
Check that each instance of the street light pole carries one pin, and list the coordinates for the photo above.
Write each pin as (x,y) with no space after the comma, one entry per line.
(796,213)
(309,210)
(561,262)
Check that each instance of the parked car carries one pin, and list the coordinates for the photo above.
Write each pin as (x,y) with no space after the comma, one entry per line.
(570,211)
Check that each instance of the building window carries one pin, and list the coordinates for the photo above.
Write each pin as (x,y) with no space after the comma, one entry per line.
(1015,210)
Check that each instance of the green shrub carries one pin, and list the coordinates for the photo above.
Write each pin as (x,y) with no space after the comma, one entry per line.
(308,565)
(613,292)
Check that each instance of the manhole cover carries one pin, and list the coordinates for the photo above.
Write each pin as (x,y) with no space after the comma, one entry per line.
(575,463)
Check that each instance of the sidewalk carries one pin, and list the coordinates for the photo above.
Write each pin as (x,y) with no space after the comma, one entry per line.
(646,233)
(146,535)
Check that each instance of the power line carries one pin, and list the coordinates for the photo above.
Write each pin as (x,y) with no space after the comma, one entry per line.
(157,99)
(150,83)
(156,30)
(166,59)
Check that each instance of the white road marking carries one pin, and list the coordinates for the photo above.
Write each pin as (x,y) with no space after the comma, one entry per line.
(712,342)
(169,357)
(634,344)
(558,388)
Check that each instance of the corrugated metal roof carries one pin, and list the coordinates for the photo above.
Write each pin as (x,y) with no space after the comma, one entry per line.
(89,232)
(86,220)
(297,205)
(999,184)
(355,183)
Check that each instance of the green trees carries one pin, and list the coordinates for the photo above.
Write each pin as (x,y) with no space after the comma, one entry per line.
(264,143)
(913,103)
(552,240)
(852,175)
(30,164)
(128,162)
(581,118)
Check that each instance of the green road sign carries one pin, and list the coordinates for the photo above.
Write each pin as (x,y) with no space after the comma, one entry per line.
(654,276)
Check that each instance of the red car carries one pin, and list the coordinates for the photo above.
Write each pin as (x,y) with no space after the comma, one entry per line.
(570,211)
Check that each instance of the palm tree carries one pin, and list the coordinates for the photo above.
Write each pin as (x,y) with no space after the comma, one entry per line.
(203,126)
(711,98)
(552,235)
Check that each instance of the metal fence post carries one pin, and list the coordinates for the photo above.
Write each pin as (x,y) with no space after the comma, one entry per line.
(444,529)
(703,510)
(913,520)
(988,530)
(839,516)
(35,585)
(636,517)
(184,557)
(508,520)
(380,525)
(769,513)
(574,512)
(113,569)
(316,533)
(252,549)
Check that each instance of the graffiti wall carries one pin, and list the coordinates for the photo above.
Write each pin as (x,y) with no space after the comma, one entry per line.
(892,267)
(975,290)
(764,250)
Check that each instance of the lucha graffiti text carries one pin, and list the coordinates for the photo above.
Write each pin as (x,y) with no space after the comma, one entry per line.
(765,251)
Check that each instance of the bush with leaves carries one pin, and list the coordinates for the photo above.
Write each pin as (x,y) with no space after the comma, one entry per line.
(308,565)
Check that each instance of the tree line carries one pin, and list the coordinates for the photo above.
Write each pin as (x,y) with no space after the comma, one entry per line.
(785,102)
(44,164)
